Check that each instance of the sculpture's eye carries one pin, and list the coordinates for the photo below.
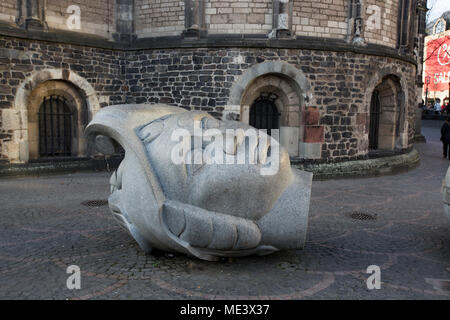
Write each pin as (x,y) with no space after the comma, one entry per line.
(151,131)
(105,145)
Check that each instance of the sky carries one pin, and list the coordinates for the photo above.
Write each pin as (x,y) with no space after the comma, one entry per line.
(437,7)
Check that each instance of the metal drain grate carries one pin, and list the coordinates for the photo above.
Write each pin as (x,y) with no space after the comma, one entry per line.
(95,203)
(361,216)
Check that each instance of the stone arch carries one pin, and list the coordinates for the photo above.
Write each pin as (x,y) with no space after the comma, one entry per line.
(62,81)
(288,102)
(279,78)
(270,67)
(394,96)
(74,101)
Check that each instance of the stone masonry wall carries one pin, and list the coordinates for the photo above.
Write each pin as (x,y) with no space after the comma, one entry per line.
(239,16)
(337,117)
(97,17)
(8,10)
(153,18)
(159,17)
(201,79)
(384,33)
(320,18)
(103,69)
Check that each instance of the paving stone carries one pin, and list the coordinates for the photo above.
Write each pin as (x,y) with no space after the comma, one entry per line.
(44,228)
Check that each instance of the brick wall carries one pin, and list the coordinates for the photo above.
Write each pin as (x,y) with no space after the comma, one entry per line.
(239,16)
(201,80)
(8,10)
(159,17)
(320,18)
(386,32)
(97,17)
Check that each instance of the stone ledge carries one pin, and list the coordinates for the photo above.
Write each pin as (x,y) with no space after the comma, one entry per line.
(322,171)
(54,167)
(362,168)
(419,138)
(208,41)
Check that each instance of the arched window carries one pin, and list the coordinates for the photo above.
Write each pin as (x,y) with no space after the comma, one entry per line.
(439,26)
(264,113)
(374,127)
(387,116)
(405,26)
(194,17)
(55,128)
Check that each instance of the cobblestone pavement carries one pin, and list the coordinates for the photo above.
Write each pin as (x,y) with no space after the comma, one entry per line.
(44,228)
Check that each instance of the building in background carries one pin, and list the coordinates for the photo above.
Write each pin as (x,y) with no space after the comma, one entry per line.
(341,79)
(436,75)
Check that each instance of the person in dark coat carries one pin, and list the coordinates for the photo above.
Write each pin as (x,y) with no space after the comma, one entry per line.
(445,137)
(447,107)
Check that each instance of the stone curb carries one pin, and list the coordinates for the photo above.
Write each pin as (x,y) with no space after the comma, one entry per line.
(420,139)
(363,168)
(324,171)
(48,168)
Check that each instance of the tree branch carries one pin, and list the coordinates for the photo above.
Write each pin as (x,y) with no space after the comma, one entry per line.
(437,47)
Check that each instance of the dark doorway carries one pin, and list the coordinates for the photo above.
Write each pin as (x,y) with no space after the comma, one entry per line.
(374,128)
(264,114)
(55,128)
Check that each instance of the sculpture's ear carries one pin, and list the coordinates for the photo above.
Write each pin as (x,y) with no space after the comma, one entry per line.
(103,144)
(117,126)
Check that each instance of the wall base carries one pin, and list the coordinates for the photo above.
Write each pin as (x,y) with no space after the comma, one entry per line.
(38,168)
(419,138)
(362,168)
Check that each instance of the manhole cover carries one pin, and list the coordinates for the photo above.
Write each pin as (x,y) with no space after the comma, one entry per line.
(361,216)
(95,203)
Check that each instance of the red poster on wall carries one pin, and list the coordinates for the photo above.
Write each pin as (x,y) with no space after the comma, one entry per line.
(437,65)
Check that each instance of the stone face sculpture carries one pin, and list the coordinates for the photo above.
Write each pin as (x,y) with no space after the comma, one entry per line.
(204,209)
(446,193)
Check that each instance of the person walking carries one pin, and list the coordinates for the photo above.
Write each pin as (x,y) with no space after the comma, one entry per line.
(446,107)
(445,137)
(437,107)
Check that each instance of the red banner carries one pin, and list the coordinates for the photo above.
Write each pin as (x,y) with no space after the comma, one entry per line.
(437,65)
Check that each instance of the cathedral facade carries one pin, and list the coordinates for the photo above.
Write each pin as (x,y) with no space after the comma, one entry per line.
(340,79)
